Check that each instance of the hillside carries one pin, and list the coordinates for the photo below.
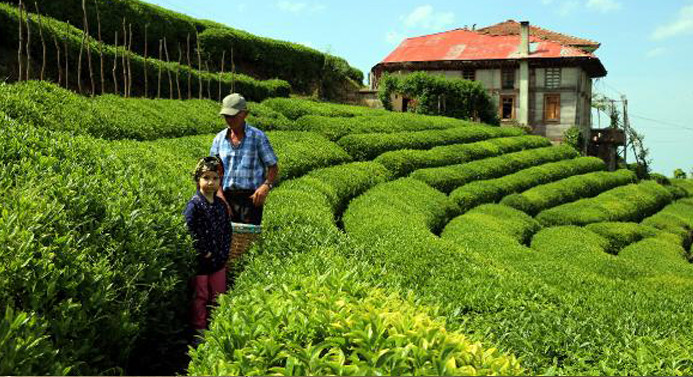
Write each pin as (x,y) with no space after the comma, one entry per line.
(306,69)
(394,244)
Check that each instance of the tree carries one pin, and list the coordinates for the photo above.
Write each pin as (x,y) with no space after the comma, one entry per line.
(679,174)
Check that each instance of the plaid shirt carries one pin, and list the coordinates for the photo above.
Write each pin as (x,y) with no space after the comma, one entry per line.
(244,165)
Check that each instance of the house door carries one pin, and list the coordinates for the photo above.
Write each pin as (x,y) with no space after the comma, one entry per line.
(507,107)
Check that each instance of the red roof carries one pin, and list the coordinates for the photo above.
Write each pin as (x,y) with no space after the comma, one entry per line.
(512,27)
(462,44)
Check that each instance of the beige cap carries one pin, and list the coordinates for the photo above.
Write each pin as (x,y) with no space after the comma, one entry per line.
(233,104)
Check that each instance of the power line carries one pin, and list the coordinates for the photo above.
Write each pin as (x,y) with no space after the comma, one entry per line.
(677,126)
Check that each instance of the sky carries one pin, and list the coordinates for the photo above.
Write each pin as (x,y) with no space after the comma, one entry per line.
(646,46)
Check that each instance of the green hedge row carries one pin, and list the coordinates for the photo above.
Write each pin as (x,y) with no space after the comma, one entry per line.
(301,152)
(448,178)
(571,305)
(369,146)
(302,66)
(494,219)
(114,117)
(622,234)
(95,254)
(626,203)
(685,184)
(549,195)
(493,190)
(676,218)
(339,184)
(65,34)
(327,321)
(405,161)
(294,108)
(336,127)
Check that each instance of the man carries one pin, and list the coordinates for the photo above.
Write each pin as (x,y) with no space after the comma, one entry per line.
(250,164)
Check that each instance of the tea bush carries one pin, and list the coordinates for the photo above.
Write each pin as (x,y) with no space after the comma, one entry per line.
(493,190)
(405,161)
(622,234)
(339,184)
(368,146)
(676,218)
(541,197)
(113,117)
(495,219)
(336,127)
(328,322)
(626,203)
(301,152)
(448,178)
(294,108)
(107,246)
(71,37)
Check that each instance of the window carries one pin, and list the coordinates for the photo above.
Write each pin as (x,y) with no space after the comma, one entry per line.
(552,80)
(552,107)
(469,74)
(507,107)
(507,78)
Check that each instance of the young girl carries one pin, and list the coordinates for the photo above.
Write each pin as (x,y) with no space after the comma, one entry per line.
(209,225)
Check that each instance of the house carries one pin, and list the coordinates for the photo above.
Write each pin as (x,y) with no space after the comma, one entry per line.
(536,77)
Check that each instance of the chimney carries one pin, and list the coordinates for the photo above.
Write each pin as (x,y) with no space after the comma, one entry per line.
(524,39)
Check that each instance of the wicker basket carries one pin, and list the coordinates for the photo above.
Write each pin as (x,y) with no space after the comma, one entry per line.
(244,235)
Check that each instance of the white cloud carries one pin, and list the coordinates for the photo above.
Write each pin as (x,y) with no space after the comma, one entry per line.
(682,25)
(393,37)
(290,6)
(568,7)
(657,51)
(426,17)
(603,6)
(299,7)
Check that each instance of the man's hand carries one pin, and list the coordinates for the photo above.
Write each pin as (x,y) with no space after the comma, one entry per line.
(260,195)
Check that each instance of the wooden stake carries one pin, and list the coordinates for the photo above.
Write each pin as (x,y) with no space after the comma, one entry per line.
(43,42)
(221,75)
(28,44)
(233,73)
(189,69)
(125,48)
(168,71)
(129,60)
(180,57)
(115,64)
(158,85)
(98,21)
(21,42)
(146,43)
(199,65)
(86,30)
(67,57)
(209,80)
(60,67)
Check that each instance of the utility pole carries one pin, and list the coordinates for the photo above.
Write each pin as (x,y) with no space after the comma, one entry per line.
(626,125)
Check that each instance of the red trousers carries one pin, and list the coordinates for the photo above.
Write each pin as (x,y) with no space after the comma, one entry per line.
(206,288)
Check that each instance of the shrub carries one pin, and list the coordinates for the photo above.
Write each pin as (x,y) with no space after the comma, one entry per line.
(676,218)
(302,66)
(622,234)
(294,108)
(330,323)
(251,88)
(549,195)
(436,95)
(495,219)
(493,190)
(405,161)
(368,146)
(448,178)
(340,184)
(336,127)
(627,203)
(301,152)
